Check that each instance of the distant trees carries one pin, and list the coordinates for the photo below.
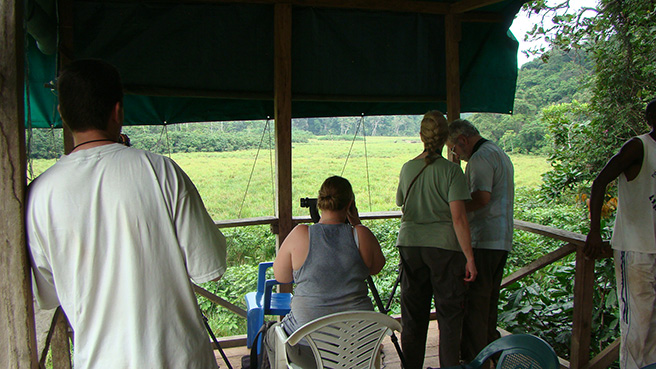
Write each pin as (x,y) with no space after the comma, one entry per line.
(540,85)
(230,136)
(392,125)
(618,35)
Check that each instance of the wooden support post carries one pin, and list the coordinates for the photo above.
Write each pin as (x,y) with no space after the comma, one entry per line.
(584,283)
(283,119)
(452,35)
(17,327)
(66,53)
(60,345)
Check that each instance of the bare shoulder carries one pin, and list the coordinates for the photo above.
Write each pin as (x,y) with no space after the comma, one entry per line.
(629,159)
(365,234)
(300,233)
(301,229)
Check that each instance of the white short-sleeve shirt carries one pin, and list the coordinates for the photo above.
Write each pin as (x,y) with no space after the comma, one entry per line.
(115,235)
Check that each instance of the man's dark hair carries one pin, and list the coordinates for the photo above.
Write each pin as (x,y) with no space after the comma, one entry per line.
(88,90)
(650,113)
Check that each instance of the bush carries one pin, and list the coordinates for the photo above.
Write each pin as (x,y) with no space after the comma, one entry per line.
(541,304)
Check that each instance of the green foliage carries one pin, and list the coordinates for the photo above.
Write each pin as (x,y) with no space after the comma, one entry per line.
(618,36)
(339,138)
(531,207)
(207,137)
(575,153)
(560,80)
(235,283)
(387,231)
(625,74)
(541,304)
(399,125)
(251,245)
(44,143)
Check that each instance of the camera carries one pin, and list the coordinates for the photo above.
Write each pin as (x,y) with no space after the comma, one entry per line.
(308,202)
(311,203)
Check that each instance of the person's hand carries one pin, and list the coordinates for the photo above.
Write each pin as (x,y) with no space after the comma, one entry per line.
(593,245)
(470,270)
(352,215)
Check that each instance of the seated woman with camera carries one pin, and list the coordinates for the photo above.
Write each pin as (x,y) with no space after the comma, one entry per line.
(329,263)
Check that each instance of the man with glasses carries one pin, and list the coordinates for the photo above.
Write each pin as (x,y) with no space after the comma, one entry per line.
(490,177)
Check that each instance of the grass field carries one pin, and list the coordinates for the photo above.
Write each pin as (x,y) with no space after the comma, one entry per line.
(222,178)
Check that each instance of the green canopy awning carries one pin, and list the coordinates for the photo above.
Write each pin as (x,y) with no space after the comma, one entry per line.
(189,62)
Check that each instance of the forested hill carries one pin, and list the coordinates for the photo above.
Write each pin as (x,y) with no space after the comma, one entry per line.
(560,78)
(540,84)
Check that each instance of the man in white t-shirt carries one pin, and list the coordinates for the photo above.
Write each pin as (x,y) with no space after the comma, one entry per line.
(633,241)
(115,235)
(490,177)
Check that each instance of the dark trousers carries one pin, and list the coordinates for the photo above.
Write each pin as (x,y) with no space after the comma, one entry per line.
(429,272)
(481,307)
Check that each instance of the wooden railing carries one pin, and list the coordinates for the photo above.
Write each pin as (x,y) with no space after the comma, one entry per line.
(584,283)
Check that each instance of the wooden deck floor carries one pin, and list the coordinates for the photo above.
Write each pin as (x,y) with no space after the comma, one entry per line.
(390,357)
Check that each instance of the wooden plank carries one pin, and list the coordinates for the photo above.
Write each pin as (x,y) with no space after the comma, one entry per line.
(476,17)
(564,364)
(393,6)
(273,221)
(66,54)
(538,264)
(559,234)
(584,282)
(61,345)
(283,116)
(44,321)
(17,327)
(231,341)
(403,6)
(606,357)
(464,6)
(245,222)
(219,301)
(363,216)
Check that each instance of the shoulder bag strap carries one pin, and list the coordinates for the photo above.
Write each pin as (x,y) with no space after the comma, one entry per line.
(412,183)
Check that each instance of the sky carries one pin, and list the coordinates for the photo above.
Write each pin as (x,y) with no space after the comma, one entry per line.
(523,23)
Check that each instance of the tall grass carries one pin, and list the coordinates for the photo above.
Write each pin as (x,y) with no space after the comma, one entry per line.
(223,178)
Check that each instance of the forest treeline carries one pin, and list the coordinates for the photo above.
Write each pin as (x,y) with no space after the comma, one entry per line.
(539,85)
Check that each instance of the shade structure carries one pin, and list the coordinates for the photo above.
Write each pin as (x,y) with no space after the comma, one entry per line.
(184,61)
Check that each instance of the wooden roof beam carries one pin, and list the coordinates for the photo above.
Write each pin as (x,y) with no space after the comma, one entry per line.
(465,6)
(427,7)
(404,6)
(408,6)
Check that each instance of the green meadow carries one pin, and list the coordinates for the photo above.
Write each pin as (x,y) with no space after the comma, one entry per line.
(240,184)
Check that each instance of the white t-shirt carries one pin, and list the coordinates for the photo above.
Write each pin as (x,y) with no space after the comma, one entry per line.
(635,223)
(115,233)
(490,169)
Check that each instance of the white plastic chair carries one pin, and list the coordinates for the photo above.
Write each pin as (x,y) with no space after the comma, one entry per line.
(342,340)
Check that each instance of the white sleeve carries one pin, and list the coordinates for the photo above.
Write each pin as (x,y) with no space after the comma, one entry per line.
(42,279)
